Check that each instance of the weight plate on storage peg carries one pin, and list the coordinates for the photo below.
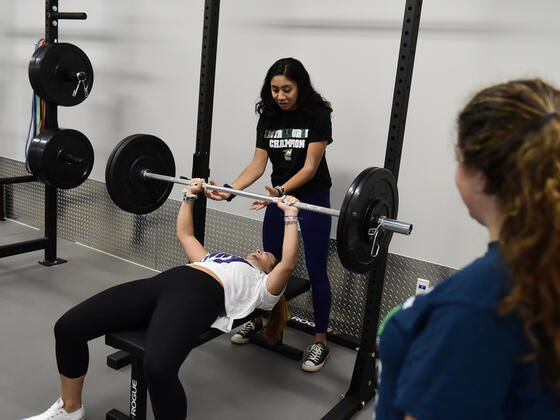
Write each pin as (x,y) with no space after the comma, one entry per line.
(61,158)
(61,73)
(123,174)
(372,194)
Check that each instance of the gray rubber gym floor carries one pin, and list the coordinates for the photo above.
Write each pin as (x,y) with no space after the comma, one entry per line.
(222,380)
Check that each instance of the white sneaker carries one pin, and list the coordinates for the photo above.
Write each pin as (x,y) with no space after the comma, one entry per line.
(56,412)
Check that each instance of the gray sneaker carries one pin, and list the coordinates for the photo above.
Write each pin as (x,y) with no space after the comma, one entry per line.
(315,357)
(247,330)
(56,412)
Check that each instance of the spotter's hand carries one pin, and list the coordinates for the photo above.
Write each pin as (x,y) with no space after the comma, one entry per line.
(261,204)
(215,194)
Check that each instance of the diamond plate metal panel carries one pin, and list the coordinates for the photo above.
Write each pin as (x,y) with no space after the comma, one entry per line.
(23,202)
(401,276)
(87,215)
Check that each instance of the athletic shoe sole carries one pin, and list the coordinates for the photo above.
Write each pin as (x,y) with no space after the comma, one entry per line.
(239,340)
(314,368)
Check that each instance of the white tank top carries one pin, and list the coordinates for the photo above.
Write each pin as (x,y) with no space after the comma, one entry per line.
(244,287)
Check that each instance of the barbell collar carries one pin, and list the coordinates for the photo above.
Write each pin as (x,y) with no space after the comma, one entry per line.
(385,223)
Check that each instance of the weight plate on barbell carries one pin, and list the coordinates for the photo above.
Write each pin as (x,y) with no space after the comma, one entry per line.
(61,158)
(123,174)
(372,194)
(55,71)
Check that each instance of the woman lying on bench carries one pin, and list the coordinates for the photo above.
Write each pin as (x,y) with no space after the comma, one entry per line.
(175,306)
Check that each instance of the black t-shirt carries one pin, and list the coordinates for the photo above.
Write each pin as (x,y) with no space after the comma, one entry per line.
(286,136)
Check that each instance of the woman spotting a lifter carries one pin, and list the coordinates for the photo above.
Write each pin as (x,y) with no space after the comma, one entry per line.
(485,343)
(294,130)
(175,306)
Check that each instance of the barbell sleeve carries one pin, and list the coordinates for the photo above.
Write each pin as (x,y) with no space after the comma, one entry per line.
(150,175)
(394,225)
(384,222)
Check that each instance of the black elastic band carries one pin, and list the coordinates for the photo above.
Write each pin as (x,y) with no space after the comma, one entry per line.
(231,196)
(547,117)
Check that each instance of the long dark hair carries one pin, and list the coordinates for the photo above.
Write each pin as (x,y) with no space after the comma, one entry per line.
(511,132)
(308,98)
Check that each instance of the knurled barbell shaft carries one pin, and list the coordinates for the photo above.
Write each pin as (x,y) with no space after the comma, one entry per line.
(299,204)
(384,222)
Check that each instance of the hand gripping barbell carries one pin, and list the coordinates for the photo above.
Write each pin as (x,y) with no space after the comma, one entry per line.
(140,175)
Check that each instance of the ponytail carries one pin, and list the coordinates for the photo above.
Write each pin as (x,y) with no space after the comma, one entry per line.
(276,322)
(530,247)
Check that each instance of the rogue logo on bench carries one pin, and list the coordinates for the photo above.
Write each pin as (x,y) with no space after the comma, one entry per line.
(133,391)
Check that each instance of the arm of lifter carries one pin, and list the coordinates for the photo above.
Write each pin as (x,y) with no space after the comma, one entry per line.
(185,228)
(250,174)
(279,276)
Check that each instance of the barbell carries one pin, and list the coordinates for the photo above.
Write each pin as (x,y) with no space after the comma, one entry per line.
(140,174)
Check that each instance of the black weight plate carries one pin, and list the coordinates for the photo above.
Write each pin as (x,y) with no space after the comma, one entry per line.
(125,184)
(372,194)
(52,73)
(61,158)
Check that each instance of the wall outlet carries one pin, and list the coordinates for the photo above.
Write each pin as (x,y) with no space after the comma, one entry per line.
(422,286)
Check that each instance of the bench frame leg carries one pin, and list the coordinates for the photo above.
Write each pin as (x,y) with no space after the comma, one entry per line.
(280,347)
(118,359)
(138,394)
(138,390)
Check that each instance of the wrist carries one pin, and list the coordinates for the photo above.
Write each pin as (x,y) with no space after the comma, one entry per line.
(292,219)
(280,190)
(231,196)
(189,197)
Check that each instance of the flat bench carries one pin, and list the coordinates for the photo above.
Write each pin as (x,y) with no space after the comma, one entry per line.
(131,351)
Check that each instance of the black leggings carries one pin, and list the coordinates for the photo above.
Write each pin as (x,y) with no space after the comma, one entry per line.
(175,306)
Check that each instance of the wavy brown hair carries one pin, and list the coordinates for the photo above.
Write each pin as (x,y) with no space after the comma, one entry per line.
(511,132)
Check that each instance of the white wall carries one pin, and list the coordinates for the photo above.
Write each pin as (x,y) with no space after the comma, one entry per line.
(146,57)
